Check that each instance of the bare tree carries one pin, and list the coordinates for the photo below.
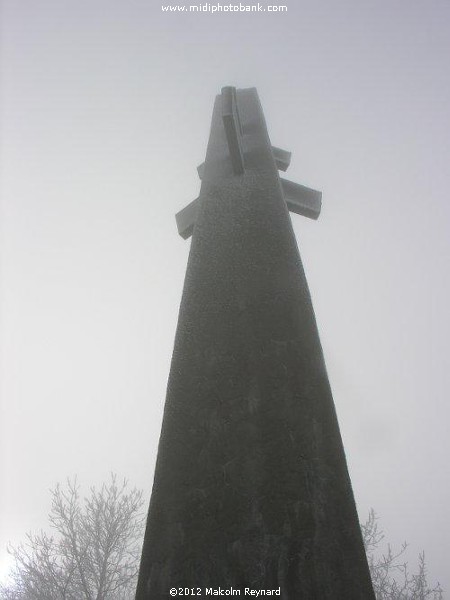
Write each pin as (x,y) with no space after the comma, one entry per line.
(94,554)
(391,577)
(96,550)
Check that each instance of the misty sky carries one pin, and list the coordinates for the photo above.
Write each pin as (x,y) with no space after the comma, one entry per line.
(105,114)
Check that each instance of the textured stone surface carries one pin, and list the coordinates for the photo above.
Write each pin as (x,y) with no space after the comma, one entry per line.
(251,485)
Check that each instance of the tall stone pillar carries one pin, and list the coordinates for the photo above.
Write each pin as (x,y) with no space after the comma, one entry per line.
(251,486)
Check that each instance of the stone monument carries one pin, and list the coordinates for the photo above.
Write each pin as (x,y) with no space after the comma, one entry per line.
(251,490)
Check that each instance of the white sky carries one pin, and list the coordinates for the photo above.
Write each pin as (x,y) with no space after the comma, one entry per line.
(105,113)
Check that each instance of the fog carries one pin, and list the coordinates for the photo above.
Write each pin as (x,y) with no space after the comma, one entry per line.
(105,114)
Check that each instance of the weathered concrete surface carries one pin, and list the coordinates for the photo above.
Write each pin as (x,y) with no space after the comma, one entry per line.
(251,486)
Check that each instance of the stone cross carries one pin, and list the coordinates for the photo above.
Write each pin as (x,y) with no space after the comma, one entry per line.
(299,199)
(251,489)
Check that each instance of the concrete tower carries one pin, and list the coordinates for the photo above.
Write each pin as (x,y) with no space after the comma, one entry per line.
(251,487)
